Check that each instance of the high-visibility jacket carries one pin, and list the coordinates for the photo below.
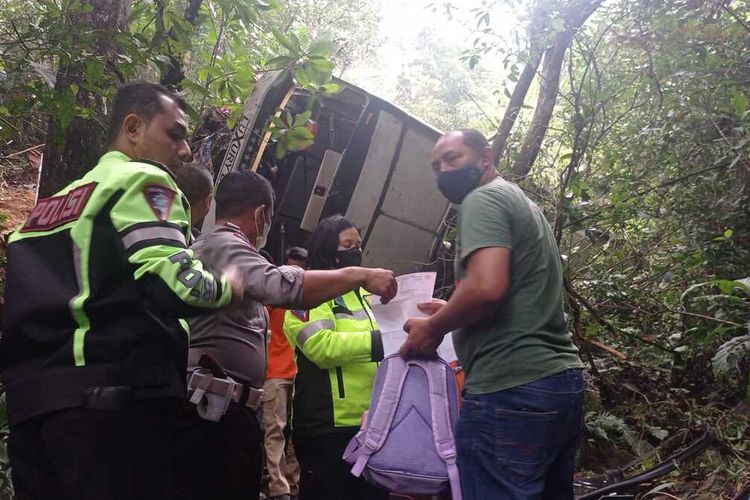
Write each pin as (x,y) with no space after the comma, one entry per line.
(97,278)
(337,347)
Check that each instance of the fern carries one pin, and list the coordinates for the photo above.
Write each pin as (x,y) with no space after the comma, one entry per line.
(609,427)
(729,356)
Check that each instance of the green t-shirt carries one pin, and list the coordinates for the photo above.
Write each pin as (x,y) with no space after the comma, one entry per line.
(525,339)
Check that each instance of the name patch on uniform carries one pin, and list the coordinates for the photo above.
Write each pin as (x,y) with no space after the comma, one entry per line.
(55,211)
(160,199)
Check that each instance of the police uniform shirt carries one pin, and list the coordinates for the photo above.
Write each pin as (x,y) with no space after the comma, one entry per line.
(236,336)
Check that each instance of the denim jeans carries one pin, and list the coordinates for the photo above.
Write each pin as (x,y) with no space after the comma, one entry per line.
(520,443)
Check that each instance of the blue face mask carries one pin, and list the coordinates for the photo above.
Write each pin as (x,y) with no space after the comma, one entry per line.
(456,184)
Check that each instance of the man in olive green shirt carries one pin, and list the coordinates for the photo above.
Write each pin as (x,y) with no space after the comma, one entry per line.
(523,403)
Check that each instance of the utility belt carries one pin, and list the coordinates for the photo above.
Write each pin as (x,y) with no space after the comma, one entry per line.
(211,390)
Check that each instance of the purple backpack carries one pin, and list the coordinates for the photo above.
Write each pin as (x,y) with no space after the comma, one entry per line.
(406,444)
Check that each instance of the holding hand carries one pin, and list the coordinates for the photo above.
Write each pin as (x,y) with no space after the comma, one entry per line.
(381,282)
(423,340)
(431,307)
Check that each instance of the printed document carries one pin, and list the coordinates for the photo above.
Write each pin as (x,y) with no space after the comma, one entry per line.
(412,290)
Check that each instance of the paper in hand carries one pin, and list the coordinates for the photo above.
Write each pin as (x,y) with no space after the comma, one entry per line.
(413,289)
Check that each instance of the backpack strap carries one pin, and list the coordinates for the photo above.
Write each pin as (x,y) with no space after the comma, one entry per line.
(442,430)
(379,421)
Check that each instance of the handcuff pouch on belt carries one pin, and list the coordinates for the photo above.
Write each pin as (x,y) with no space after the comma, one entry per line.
(212,395)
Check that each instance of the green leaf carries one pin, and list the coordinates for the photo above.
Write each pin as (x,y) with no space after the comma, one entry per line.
(279,62)
(284,41)
(322,66)
(74,88)
(302,118)
(331,88)
(244,75)
(728,233)
(301,134)
(739,103)
(728,287)
(322,48)
(280,150)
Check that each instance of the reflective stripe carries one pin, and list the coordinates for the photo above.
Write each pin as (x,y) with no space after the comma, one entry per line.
(312,328)
(355,315)
(153,233)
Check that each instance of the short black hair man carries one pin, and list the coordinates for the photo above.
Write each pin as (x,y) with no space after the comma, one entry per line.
(236,339)
(296,256)
(523,406)
(197,185)
(92,355)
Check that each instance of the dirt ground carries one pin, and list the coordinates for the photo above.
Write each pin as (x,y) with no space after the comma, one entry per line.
(18,177)
(15,202)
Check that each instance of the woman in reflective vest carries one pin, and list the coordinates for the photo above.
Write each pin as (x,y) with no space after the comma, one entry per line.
(337,347)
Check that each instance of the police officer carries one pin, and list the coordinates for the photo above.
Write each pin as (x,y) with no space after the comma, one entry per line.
(220,444)
(92,357)
(337,345)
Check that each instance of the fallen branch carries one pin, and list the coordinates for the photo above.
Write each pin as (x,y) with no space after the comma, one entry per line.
(710,318)
(18,153)
(605,347)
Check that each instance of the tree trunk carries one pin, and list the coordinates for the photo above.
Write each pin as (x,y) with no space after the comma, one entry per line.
(500,142)
(539,18)
(553,59)
(73,148)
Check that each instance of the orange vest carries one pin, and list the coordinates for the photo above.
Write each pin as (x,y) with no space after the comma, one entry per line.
(280,355)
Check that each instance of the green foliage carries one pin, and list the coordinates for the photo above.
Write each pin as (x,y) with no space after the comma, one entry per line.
(611,429)
(730,354)
(351,26)
(221,52)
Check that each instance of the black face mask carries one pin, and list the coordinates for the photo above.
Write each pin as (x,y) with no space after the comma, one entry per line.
(348,258)
(456,184)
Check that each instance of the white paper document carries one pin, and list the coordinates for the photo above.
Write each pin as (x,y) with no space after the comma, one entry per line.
(412,290)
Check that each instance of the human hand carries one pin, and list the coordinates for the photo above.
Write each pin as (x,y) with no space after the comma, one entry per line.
(431,307)
(381,282)
(423,340)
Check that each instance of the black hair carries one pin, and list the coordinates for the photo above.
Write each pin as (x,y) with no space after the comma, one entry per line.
(474,139)
(296,253)
(194,181)
(141,98)
(325,241)
(241,190)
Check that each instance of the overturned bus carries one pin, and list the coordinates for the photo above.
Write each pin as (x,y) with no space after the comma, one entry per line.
(369,161)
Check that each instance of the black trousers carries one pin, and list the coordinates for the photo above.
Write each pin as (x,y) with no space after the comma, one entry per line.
(218,460)
(87,454)
(324,475)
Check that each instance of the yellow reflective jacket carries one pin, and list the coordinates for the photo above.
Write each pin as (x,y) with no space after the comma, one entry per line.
(337,346)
